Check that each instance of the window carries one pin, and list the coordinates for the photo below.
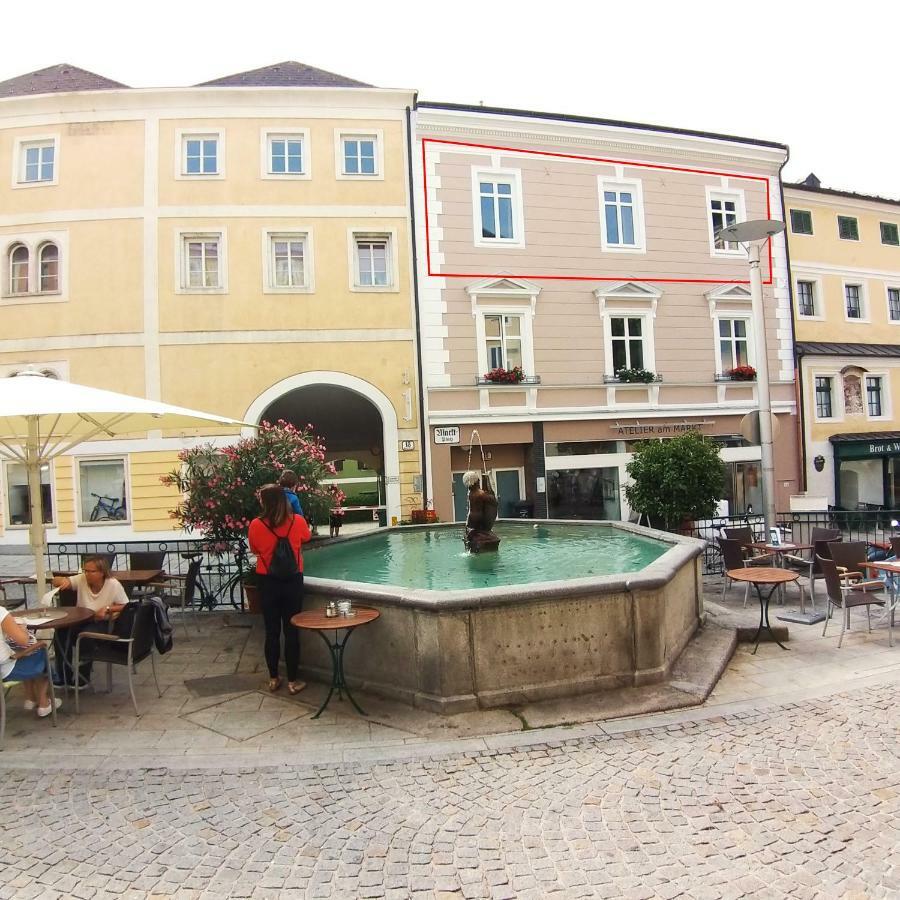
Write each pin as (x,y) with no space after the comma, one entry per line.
(202,264)
(101,484)
(853,301)
(824,385)
(200,154)
(286,156)
(37,162)
(734,347)
(49,268)
(359,152)
(806,298)
(18,506)
(34,267)
(801,221)
(890,234)
(503,341)
(873,396)
(496,203)
(627,342)
(622,216)
(848,228)
(18,269)
(288,264)
(724,209)
(497,208)
(373,268)
(894,304)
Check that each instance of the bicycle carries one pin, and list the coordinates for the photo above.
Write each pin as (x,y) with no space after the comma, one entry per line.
(229,580)
(107,508)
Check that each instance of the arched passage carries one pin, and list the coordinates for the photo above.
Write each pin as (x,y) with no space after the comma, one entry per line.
(356,420)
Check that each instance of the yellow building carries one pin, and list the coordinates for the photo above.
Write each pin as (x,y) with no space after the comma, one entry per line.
(845,267)
(240,247)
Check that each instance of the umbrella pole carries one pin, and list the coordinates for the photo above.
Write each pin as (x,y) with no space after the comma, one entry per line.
(38,535)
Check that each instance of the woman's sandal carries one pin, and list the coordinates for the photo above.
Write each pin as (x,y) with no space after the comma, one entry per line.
(274,684)
(294,687)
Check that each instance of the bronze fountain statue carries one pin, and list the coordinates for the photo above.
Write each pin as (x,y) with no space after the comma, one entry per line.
(482,513)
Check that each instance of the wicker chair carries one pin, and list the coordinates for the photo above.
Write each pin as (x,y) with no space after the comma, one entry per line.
(844,598)
(808,565)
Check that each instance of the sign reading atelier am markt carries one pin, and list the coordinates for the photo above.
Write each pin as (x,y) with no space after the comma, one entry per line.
(446,434)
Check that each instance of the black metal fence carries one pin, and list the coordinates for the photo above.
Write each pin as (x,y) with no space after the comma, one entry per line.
(872,526)
(219,570)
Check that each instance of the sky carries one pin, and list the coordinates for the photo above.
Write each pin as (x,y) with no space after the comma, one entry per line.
(820,77)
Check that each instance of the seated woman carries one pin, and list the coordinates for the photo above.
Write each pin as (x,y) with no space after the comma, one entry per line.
(24,659)
(95,590)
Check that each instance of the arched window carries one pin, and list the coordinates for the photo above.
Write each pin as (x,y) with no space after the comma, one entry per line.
(48,257)
(18,269)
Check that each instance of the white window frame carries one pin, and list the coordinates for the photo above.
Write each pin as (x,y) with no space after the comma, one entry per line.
(647,336)
(390,234)
(837,221)
(341,134)
(525,313)
(751,337)
(636,188)
(33,241)
(719,193)
(7,523)
(818,297)
(124,458)
(18,160)
(181,271)
(837,395)
(890,286)
(885,395)
(182,136)
(269,236)
(266,136)
(803,234)
(863,300)
(509,176)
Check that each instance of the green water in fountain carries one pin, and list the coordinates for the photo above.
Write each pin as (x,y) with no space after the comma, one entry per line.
(435,559)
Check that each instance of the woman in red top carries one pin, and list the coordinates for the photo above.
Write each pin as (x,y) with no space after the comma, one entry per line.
(281,597)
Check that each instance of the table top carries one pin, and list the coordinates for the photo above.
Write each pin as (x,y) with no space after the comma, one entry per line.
(883,566)
(780,548)
(316,620)
(60,616)
(763,575)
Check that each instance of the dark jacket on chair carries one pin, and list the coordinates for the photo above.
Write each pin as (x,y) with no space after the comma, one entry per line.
(163,636)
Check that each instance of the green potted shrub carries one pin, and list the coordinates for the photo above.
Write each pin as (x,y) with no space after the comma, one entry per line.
(636,376)
(676,480)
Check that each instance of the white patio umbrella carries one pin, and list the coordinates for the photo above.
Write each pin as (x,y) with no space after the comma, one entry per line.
(42,418)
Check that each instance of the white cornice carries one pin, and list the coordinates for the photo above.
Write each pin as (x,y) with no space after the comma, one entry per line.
(477,128)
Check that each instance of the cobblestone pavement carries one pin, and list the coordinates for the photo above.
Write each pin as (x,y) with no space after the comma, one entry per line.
(798,801)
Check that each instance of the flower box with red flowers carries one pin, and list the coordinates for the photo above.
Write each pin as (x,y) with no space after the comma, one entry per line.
(742,373)
(516,375)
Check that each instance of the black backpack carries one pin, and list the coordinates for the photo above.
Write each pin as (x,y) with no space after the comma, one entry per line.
(283,564)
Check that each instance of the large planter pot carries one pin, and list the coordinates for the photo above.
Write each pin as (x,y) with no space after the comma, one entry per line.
(252,596)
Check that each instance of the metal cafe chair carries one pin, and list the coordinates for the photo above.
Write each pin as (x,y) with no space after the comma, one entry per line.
(843,597)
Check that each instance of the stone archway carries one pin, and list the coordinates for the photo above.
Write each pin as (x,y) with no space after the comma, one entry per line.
(355,419)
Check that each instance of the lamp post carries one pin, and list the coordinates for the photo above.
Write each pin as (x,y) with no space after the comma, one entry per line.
(753,235)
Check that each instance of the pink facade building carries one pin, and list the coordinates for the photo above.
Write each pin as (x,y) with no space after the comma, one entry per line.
(581,255)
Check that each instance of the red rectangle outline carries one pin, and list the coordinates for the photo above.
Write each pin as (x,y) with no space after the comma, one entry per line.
(618,162)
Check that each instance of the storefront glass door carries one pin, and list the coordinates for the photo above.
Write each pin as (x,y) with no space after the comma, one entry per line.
(584,494)
(743,488)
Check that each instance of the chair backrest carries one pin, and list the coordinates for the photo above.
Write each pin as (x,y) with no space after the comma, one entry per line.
(190,580)
(850,555)
(147,559)
(138,622)
(832,580)
(824,534)
(822,550)
(109,557)
(732,554)
(742,534)
(895,546)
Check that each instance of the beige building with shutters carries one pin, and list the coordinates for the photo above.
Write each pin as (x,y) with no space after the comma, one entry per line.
(583,252)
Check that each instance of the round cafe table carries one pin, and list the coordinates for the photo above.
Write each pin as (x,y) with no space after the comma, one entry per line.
(316,620)
(59,617)
(773,578)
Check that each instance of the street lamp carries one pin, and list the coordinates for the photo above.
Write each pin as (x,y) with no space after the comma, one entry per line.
(753,235)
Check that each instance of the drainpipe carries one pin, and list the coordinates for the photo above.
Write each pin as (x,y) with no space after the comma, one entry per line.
(423,431)
(798,369)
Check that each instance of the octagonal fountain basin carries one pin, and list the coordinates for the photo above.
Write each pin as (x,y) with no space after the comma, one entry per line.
(563,608)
